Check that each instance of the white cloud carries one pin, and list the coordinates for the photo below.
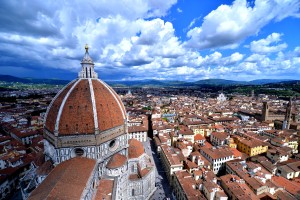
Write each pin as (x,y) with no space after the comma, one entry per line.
(130,40)
(236,57)
(268,45)
(179,10)
(231,24)
(185,70)
(255,58)
(192,23)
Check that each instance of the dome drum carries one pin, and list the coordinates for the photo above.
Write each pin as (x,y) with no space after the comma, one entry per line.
(84,140)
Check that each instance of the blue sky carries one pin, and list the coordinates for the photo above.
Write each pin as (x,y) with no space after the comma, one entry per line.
(185,40)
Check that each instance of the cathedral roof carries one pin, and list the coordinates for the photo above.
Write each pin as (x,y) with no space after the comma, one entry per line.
(105,189)
(135,149)
(84,106)
(116,161)
(66,181)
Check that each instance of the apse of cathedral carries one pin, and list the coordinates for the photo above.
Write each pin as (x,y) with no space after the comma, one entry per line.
(86,139)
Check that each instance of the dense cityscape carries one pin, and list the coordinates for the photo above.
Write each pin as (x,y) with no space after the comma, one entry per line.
(204,146)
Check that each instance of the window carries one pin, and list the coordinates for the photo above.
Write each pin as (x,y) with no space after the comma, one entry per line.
(132,192)
(79,152)
(113,145)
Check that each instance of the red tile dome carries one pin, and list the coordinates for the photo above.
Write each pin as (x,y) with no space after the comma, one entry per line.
(86,106)
(135,149)
(116,161)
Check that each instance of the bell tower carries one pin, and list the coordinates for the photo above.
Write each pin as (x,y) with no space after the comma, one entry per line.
(265,111)
(288,115)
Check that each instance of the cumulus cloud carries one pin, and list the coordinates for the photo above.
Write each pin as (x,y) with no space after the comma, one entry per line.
(59,30)
(131,40)
(265,46)
(230,24)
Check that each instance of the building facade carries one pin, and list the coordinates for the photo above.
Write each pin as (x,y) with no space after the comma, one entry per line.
(217,157)
(251,147)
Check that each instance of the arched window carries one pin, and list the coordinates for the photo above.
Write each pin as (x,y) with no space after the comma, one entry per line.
(132,192)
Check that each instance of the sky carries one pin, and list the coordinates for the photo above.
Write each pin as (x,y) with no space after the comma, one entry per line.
(185,40)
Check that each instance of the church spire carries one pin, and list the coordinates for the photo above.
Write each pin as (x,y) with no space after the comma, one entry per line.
(87,64)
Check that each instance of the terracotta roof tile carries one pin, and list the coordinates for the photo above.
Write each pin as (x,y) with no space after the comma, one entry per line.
(66,181)
(116,161)
(53,110)
(105,189)
(108,110)
(77,116)
(136,148)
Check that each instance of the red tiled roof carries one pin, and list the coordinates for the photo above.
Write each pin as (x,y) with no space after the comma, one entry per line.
(136,148)
(134,129)
(291,187)
(116,161)
(53,110)
(198,137)
(105,189)
(66,181)
(77,116)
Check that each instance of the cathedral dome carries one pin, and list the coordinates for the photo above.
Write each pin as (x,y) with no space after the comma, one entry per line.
(135,149)
(85,106)
(116,161)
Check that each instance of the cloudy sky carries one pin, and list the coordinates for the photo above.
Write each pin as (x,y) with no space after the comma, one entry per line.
(183,40)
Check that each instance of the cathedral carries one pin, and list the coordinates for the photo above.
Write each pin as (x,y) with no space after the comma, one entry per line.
(86,139)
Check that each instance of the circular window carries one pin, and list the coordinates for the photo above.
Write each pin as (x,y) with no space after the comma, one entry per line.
(79,152)
(113,145)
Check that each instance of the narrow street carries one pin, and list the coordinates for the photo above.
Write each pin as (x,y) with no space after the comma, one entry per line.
(163,190)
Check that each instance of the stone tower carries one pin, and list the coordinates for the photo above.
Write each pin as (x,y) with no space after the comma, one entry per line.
(265,111)
(288,115)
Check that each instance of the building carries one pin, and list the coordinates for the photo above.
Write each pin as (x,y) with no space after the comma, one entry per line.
(213,191)
(217,157)
(250,146)
(236,188)
(219,138)
(172,161)
(221,98)
(86,138)
(186,187)
(138,132)
(278,155)
(290,170)
(288,115)
(253,175)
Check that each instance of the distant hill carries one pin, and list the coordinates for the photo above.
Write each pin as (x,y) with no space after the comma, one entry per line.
(219,82)
(153,82)
(267,81)
(11,79)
